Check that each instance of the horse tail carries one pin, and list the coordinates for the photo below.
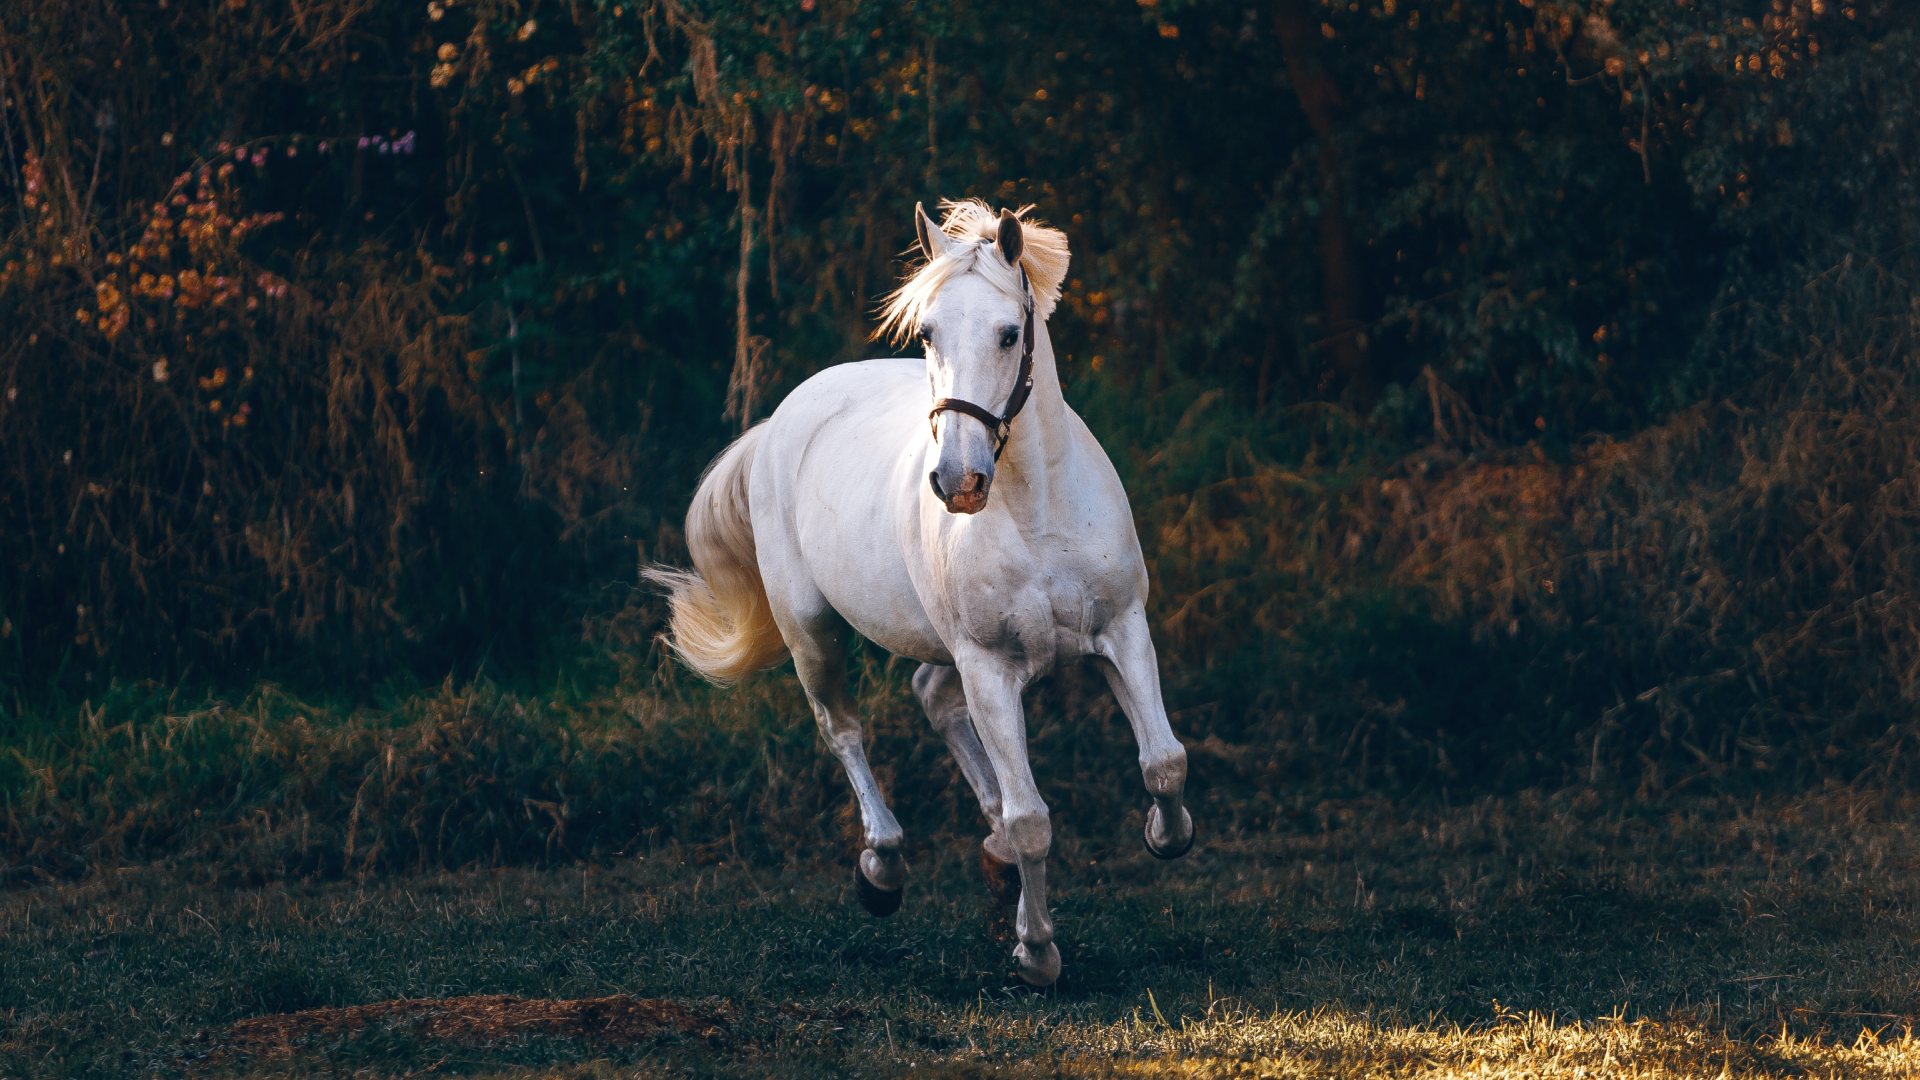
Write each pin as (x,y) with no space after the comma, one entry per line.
(720,624)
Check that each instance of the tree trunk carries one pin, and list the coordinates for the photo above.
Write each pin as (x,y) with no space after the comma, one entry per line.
(1340,286)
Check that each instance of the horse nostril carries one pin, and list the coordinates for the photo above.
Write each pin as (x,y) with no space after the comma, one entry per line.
(972,482)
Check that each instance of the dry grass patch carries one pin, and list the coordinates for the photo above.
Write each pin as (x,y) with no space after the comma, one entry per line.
(1335,1043)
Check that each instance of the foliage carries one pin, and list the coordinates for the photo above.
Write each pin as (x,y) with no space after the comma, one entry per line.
(357,340)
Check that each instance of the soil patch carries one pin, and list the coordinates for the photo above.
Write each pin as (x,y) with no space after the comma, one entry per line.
(481,1018)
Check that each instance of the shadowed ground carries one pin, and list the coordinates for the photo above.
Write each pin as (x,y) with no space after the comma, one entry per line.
(1543,935)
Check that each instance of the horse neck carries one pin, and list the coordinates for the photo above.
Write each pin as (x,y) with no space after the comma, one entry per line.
(1038,444)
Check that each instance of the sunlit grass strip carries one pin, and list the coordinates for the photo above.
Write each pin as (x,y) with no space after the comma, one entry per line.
(1238,1042)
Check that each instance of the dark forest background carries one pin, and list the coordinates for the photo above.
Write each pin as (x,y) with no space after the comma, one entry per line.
(1512,393)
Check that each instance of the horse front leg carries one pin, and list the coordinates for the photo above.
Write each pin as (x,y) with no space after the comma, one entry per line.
(1126,656)
(993,699)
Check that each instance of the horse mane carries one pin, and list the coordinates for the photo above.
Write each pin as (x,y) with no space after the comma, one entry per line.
(1043,254)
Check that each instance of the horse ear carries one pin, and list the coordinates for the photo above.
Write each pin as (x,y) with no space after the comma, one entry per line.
(933,242)
(1011,242)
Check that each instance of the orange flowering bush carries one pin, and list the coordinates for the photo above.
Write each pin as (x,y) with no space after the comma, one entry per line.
(184,283)
(250,462)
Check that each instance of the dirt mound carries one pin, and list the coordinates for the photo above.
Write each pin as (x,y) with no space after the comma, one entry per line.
(479,1019)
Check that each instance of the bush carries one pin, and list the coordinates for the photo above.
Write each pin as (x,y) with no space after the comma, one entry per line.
(1504,389)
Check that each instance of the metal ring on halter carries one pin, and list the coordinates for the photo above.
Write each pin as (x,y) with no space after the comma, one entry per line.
(999,426)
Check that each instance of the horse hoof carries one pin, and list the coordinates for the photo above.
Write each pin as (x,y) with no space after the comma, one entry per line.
(1038,971)
(879,902)
(1003,878)
(1169,848)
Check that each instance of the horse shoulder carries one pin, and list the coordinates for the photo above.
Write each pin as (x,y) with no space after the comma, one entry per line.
(1096,516)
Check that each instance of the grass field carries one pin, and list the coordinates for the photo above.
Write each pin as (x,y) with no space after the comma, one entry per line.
(1560,935)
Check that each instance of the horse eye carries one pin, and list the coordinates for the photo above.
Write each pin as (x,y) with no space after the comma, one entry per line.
(1008,336)
(926,337)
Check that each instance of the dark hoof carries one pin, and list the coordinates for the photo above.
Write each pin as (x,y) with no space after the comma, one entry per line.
(1003,878)
(1171,852)
(1038,970)
(879,902)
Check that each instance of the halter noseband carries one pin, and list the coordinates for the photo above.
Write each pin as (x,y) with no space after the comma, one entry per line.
(998,427)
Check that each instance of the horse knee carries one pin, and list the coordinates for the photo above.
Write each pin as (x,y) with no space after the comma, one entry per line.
(939,692)
(926,679)
(1031,835)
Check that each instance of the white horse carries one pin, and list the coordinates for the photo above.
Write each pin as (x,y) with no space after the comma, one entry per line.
(854,506)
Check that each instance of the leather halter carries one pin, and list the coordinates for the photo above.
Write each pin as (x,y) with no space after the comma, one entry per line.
(998,426)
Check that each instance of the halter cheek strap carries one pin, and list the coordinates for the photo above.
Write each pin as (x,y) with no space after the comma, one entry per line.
(998,426)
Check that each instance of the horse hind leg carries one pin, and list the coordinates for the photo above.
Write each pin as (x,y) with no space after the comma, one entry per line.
(944,698)
(819,658)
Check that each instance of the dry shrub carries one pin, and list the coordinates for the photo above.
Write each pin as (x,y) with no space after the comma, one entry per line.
(1733,588)
(1759,543)
(213,460)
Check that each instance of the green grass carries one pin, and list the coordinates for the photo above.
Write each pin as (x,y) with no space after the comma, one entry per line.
(269,784)
(1537,935)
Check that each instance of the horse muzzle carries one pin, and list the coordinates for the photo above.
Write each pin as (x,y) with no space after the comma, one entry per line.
(965,493)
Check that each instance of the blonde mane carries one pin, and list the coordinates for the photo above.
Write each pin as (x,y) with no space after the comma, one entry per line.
(976,225)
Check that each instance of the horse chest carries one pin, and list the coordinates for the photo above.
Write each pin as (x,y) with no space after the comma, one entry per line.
(1049,602)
